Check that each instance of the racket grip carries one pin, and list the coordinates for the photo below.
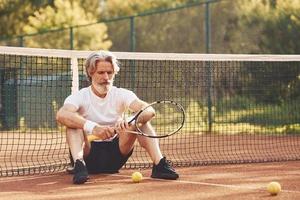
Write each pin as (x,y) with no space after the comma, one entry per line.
(92,138)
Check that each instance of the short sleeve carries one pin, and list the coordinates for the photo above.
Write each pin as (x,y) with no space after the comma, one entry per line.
(74,99)
(128,97)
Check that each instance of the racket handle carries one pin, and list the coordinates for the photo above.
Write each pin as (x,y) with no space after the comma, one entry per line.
(92,138)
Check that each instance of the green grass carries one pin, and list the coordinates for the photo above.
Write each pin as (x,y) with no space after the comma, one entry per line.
(244,115)
(234,115)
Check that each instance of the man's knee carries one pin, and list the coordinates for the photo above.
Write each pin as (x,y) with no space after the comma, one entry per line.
(126,142)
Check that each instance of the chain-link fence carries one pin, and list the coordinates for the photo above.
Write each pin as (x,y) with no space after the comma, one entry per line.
(192,28)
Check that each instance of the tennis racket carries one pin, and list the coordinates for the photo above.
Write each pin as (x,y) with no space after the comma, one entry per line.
(169,119)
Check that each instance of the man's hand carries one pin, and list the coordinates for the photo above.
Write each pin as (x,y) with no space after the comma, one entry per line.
(121,126)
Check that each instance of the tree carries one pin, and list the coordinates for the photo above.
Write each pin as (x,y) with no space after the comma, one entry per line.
(156,32)
(117,8)
(275,27)
(278,22)
(65,14)
(14,14)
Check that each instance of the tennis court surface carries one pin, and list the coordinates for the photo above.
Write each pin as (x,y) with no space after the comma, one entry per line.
(245,181)
(242,125)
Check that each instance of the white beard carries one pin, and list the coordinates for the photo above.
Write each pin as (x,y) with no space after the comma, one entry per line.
(102,89)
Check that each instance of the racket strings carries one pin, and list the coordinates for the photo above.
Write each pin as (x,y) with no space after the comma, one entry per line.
(168,118)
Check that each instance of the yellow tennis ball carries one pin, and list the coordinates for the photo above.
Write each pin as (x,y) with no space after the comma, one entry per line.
(274,188)
(136,177)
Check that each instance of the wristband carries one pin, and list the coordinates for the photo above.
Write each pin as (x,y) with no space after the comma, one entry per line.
(89,126)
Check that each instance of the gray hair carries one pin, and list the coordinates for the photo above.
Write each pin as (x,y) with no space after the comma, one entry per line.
(92,59)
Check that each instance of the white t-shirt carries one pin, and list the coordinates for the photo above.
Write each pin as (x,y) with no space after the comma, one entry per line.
(104,111)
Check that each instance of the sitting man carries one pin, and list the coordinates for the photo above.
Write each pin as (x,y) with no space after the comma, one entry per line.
(98,110)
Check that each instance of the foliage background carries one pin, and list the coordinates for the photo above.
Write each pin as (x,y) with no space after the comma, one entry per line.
(239,26)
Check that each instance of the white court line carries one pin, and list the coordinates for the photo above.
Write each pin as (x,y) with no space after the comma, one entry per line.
(212,184)
(13,179)
(50,183)
(146,178)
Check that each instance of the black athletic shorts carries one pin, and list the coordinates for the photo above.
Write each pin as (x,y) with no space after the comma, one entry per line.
(105,157)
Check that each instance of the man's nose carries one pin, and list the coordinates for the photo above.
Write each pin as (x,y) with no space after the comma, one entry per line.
(105,75)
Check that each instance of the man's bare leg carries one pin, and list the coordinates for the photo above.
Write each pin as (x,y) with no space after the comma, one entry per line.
(151,145)
(76,141)
(161,168)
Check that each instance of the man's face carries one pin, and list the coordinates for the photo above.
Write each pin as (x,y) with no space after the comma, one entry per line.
(102,78)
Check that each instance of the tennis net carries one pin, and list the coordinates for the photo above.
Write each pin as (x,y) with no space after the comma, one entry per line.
(240,108)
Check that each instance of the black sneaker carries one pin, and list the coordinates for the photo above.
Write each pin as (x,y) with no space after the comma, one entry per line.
(163,170)
(80,173)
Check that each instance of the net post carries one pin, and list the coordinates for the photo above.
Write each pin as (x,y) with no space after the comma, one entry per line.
(75,88)
(75,76)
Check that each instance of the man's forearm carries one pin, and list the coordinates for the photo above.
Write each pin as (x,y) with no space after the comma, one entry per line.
(70,119)
(146,115)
